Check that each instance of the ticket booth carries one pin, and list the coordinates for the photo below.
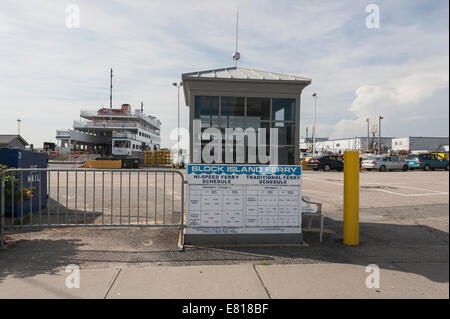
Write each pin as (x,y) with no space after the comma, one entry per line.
(243,198)
(240,97)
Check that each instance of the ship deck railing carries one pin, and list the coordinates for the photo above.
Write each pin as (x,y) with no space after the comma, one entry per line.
(112,124)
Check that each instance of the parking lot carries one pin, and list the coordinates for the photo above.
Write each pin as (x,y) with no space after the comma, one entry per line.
(404,223)
(380,189)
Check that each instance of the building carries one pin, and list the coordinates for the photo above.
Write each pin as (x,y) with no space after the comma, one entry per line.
(362,144)
(12,141)
(49,146)
(306,143)
(244,98)
(109,131)
(420,143)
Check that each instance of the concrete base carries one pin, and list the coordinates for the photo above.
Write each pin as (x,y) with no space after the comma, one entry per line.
(252,239)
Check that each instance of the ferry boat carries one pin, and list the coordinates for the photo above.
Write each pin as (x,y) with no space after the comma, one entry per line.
(112,132)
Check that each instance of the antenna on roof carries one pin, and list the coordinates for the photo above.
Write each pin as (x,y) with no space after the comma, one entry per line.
(237,55)
(142,107)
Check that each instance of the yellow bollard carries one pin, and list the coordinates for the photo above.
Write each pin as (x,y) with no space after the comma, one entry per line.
(351,198)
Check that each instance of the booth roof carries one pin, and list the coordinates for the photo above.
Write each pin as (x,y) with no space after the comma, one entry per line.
(242,74)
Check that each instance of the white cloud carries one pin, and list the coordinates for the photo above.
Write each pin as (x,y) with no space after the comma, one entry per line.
(401,101)
(50,72)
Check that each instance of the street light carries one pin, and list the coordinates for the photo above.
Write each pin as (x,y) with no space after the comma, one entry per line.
(178,85)
(18,126)
(379,134)
(315,96)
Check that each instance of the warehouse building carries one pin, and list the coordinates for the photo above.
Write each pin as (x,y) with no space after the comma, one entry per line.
(306,143)
(420,143)
(362,144)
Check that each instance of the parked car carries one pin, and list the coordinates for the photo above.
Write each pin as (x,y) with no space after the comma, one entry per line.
(305,155)
(326,162)
(384,163)
(427,161)
(445,155)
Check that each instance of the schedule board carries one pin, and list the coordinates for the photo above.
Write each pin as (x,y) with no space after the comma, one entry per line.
(243,199)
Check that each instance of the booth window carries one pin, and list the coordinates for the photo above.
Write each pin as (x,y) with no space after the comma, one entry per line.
(286,133)
(252,112)
(232,112)
(256,126)
(257,116)
(286,155)
(283,110)
(232,108)
(258,109)
(283,118)
(206,107)
(207,110)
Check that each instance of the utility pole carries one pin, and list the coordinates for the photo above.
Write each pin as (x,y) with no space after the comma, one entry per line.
(315,96)
(110,89)
(306,139)
(379,134)
(368,134)
(178,85)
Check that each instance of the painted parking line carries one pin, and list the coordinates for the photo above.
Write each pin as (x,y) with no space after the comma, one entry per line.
(420,189)
(421,182)
(409,195)
(410,187)
(432,192)
(322,181)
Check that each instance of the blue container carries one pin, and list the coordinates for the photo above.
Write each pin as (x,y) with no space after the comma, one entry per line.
(14,158)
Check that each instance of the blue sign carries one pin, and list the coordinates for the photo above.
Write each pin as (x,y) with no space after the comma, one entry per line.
(244,174)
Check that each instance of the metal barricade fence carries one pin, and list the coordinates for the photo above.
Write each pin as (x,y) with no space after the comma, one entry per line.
(52,197)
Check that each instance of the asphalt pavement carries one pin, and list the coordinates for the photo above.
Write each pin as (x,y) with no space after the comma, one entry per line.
(403,230)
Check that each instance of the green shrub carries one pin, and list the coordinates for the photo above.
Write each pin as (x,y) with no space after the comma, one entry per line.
(12,188)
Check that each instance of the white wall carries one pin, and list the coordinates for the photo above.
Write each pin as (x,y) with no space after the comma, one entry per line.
(340,145)
(400,143)
(357,143)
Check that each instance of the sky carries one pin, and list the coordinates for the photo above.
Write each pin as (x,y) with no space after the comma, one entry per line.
(398,70)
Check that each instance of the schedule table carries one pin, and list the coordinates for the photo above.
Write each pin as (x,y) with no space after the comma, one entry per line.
(227,200)
(244,206)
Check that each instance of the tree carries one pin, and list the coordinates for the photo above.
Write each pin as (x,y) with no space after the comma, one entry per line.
(373,132)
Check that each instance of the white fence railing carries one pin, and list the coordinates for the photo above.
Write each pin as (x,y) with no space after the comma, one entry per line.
(91,198)
(112,124)
(124,134)
(107,113)
(65,133)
